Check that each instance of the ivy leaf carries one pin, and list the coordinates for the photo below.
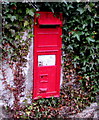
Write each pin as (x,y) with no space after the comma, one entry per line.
(75,34)
(30,12)
(81,10)
(75,64)
(17,37)
(27,10)
(13,18)
(28,113)
(76,58)
(89,8)
(30,35)
(37,14)
(70,47)
(30,107)
(90,39)
(84,25)
(69,6)
(26,23)
(12,32)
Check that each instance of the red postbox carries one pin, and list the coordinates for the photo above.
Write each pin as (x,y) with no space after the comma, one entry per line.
(47,54)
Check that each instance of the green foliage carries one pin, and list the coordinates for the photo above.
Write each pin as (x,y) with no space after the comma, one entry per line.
(81,33)
(16,20)
(80,43)
(80,39)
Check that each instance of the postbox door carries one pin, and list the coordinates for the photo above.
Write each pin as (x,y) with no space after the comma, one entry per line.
(47,59)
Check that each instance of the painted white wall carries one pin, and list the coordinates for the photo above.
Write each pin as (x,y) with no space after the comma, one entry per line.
(27,71)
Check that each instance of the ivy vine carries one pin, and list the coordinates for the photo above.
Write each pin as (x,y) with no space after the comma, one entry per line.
(80,50)
(17,21)
(80,39)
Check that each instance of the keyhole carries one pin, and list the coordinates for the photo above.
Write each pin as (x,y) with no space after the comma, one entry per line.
(41,76)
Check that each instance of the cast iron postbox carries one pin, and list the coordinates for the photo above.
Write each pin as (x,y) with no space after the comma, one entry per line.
(47,55)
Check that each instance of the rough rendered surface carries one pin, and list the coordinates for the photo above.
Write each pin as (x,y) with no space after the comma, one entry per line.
(90,112)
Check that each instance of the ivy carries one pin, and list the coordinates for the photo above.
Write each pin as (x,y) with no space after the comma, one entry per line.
(80,53)
(80,38)
(16,21)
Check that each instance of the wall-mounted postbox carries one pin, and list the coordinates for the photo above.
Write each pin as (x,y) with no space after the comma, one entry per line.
(47,55)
